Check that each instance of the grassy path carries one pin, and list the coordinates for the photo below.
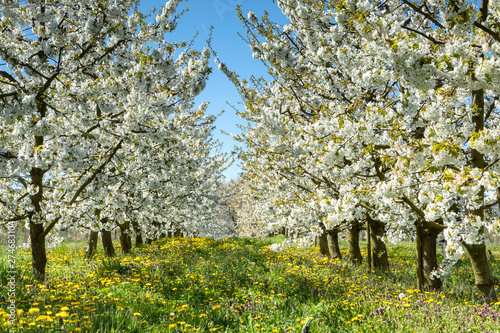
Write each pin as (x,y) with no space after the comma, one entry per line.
(238,285)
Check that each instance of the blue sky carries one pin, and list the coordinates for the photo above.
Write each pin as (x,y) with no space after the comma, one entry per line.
(231,49)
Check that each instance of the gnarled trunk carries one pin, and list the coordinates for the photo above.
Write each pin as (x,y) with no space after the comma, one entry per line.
(37,230)
(138,234)
(429,258)
(333,237)
(107,243)
(477,252)
(323,244)
(125,241)
(482,273)
(379,250)
(92,246)
(353,243)
(38,251)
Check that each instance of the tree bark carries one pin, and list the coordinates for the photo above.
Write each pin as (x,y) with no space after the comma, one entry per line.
(333,236)
(368,246)
(92,246)
(323,244)
(37,231)
(125,241)
(107,243)
(482,273)
(353,243)
(138,234)
(380,259)
(420,279)
(477,252)
(429,258)
(38,251)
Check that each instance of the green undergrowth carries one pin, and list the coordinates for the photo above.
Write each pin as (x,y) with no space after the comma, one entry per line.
(239,285)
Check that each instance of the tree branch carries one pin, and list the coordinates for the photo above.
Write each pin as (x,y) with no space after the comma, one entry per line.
(49,228)
(432,39)
(426,15)
(495,35)
(97,171)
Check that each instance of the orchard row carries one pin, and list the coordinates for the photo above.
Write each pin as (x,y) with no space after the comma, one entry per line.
(98,127)
(382,115)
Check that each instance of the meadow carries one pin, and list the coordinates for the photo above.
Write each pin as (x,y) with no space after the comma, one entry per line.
(239,285)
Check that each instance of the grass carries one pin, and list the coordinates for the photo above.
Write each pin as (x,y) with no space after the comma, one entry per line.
(239,285)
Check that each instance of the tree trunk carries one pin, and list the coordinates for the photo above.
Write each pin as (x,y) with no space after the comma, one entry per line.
(37,231)
(420,279)
(38,251)
(477,252)
(368,246)
(429,258)
(92,246)
(125,241)
(482,274)
(323,244)
(380,259)
(334,244)
(107,243)
(353,242)
(138,235)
